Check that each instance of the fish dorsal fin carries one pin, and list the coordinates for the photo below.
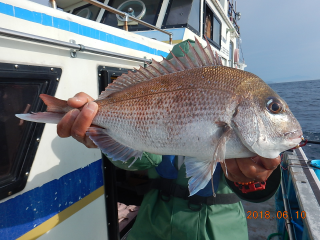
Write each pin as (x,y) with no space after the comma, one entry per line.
(196,57)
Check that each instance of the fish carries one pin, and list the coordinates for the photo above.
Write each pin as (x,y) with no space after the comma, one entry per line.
(191,106)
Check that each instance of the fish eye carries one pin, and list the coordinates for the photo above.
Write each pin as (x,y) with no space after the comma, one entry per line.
(274,105)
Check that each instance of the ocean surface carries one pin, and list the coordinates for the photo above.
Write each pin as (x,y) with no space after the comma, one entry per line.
(303,98)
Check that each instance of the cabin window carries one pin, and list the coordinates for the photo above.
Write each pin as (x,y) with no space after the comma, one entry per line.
(212,27)
(82,9)
(145,10)
(87,11)
(183,13)
(20,86)
(179,12)
(194,18)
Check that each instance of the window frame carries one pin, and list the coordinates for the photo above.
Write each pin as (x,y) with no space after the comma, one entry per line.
(131,27)
(214,16)
(184,25)
(47,78)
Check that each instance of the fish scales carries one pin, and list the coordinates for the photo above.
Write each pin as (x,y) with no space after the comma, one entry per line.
(218,77)
(196,108)
(161,127)
(157,113)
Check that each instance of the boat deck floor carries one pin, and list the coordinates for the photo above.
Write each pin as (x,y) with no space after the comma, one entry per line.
(261,228)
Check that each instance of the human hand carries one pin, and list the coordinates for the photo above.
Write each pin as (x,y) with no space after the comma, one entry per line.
(76,122)
(256,169)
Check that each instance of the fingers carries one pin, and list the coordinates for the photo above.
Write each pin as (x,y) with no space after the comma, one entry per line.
(76,122)
(79,100)
(253,170)
(269,163)
(256,169)
(233,171)
(65,124)
(82,122)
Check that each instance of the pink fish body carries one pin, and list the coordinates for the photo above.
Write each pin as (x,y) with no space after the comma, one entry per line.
(191,106)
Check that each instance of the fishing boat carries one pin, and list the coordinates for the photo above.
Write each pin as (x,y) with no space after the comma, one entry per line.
(53,188)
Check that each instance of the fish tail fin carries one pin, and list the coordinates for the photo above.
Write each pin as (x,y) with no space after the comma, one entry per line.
(42,117)
(56,109)
(54,104)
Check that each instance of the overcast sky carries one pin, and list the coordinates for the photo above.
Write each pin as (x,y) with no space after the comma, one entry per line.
(281,38)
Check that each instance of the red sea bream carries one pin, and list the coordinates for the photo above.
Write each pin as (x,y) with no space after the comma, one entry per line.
(191,106)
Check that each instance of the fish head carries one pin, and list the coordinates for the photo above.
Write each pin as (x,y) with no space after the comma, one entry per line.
(264,122)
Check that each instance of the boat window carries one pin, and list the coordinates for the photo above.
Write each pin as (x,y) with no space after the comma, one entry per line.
(15,98)
(178,12)
(87,11)
(146,10)
(194,18)
(81,9)
(183,13)
(212,27)
(216,31)
(208,24)
(20,87)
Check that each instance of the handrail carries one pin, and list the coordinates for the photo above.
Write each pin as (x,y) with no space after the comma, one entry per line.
(233,14)
(72,46)
(123,14)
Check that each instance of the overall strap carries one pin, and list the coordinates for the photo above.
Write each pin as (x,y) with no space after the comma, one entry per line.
(166,168)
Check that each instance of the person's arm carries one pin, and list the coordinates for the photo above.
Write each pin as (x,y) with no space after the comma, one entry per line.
(256,169)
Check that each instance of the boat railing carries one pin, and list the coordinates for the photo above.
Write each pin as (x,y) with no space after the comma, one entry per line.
(126,17)
(234,15)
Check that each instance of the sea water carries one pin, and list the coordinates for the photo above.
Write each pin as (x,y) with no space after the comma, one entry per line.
(303,98)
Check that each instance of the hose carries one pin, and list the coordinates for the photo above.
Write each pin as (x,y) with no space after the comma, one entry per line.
(273,235)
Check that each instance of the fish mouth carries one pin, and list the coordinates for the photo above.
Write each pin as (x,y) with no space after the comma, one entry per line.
(295,135)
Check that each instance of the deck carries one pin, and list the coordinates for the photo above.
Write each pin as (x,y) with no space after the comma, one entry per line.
(261,228)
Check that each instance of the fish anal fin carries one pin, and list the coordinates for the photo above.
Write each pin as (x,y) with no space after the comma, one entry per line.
(110,147)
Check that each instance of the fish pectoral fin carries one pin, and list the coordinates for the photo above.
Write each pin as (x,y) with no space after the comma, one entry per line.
(110,147)
(200,172)
(220,152)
